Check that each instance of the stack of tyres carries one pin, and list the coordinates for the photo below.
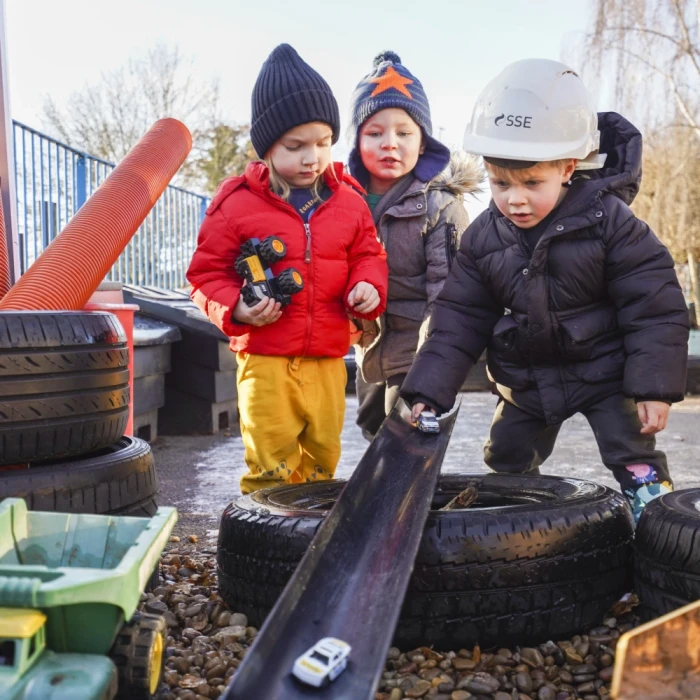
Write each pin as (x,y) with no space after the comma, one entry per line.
(64,404)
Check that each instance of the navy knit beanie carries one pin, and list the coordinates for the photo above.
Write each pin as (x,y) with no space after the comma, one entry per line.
(287,93)
(391,84)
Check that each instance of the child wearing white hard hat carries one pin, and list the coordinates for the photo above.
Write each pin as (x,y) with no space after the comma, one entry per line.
(575,298)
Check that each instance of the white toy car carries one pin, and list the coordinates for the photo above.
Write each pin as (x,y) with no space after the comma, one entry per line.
(323,663)
(427,422)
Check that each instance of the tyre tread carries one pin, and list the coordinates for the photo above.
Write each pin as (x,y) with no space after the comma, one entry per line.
(121,482)
(667,561)
(42,414)
(572,557)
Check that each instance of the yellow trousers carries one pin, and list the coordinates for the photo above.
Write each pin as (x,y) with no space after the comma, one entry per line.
(291,412)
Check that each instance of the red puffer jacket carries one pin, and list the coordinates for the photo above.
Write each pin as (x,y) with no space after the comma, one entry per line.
(344,251)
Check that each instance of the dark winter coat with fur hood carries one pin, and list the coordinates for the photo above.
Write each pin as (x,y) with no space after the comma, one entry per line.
(421,232)
(595,310)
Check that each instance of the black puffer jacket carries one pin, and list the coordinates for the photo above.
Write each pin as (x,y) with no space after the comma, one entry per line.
(596,310)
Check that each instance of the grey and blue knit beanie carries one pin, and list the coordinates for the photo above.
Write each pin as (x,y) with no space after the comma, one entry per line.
(391,84)
(287,93)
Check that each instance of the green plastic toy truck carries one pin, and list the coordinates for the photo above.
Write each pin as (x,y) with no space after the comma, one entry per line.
(70,586)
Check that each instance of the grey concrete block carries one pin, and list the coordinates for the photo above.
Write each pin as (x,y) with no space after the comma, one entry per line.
(151,359)
(205,350)
(207,383)
(149,393)
(185,414)
(146,425)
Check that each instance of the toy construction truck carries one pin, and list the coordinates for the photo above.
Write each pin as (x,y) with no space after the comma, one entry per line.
(69,589)
(253,265)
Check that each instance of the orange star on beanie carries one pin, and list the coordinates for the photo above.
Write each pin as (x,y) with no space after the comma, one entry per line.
(391,79)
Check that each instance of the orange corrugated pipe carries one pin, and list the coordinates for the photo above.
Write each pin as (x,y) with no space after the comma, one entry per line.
(67,273)
(5,279)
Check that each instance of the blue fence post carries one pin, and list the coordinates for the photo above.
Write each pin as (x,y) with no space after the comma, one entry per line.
(203,208)
(80,182)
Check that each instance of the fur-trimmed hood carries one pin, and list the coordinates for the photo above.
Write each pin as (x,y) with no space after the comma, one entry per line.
(463,175)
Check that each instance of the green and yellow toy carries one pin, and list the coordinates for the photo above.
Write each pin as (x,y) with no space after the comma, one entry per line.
(70,586)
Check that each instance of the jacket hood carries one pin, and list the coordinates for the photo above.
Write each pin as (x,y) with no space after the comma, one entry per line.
(463,175)
(621,174)
(430,164)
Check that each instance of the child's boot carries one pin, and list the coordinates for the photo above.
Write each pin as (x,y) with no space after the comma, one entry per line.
(638,498)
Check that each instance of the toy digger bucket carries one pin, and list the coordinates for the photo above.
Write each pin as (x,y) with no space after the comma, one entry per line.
(85,572)
(661,659)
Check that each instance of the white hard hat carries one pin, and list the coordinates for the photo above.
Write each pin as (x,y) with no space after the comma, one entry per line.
(536,110)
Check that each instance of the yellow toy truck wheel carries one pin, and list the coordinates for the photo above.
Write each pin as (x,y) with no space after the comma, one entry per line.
(290,281)
(138,654)
(272,249)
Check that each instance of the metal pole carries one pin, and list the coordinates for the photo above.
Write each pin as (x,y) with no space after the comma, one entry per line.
(7,157)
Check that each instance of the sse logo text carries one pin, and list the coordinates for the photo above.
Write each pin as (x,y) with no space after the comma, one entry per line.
(513,120)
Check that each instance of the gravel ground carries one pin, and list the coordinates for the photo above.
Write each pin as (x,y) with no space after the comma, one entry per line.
(207,642)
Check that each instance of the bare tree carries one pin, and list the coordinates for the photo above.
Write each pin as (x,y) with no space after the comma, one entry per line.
(653,47)
(670,198)
(223,150)
(655,50)
(108,118)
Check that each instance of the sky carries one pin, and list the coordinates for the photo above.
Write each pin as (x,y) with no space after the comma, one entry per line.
(454,47)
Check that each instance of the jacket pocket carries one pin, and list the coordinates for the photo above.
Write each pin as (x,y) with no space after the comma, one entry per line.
(505,333)
(506,342)
(507,352)
(589,334)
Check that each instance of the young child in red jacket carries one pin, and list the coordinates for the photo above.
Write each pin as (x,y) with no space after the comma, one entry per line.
(291,375)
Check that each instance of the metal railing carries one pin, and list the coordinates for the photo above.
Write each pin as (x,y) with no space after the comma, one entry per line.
(53,180)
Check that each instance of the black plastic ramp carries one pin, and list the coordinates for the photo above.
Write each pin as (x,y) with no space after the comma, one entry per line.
(172,307)
(352,580)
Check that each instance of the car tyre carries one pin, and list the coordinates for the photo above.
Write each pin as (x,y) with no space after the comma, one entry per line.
(535,558)
(64,384)
(666,555)
(118,480)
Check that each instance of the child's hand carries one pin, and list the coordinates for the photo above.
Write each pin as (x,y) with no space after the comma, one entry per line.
(654,416)
(363,298)
(266,311)
(418,408)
